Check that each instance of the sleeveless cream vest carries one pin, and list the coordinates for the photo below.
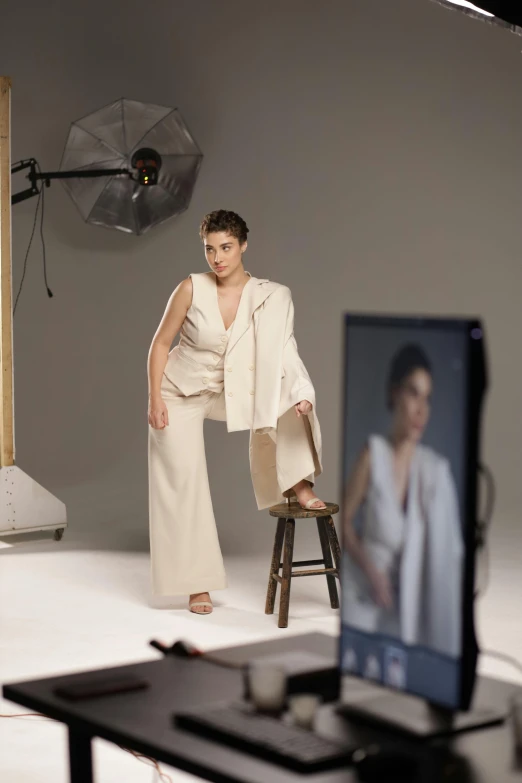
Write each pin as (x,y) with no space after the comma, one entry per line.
(198,361)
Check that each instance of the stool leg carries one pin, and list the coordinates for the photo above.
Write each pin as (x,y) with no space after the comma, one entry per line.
(274,566)
(334,542)
(328,562)
(288,554)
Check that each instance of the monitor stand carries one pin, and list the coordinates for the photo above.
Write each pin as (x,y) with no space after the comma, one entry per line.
(411,715)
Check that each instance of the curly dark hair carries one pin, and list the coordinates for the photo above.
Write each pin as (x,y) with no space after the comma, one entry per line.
(409,358)
(224,220)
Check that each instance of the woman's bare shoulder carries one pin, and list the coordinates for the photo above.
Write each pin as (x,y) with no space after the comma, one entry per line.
(185,286)
(183,292)
(187,282)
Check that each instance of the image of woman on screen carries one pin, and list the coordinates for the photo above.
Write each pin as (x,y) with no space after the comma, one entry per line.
(404,562)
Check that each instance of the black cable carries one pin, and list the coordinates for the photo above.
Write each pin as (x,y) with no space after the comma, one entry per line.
(162,776)
(28,249)
(49,292)
(483,526)
(488,514)
(479,591)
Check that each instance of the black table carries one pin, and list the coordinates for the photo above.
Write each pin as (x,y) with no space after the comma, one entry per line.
(141,721)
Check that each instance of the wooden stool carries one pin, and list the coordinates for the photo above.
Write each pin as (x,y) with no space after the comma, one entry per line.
(286,514)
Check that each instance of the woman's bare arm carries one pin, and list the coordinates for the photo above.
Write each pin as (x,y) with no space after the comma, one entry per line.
(170,324)
(355,492)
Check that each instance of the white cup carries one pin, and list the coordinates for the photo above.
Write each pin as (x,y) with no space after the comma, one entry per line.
(303,708)
(267,686)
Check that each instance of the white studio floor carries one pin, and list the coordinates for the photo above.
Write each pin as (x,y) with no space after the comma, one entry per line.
(71,608)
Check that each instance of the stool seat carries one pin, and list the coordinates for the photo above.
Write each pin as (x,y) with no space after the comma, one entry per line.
(293,510)
(286,514)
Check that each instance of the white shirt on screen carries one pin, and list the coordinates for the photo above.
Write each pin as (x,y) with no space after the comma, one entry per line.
(420,548)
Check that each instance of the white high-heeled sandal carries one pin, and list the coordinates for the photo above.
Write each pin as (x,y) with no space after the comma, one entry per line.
(290,495)
(200,603)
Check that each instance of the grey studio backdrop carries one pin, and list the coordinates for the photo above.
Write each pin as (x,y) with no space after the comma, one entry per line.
(374,150)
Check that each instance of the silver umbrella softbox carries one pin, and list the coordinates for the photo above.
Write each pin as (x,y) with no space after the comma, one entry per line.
(152,164)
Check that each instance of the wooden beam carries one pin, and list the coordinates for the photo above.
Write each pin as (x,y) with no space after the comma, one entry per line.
(6,320)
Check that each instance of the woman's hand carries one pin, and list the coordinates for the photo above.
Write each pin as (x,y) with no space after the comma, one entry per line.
(158,413)
(382,592)
(302,407)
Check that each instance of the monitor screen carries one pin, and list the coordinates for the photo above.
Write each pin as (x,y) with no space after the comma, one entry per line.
(411,410)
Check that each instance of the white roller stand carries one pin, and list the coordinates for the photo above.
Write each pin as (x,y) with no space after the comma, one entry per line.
(25,506)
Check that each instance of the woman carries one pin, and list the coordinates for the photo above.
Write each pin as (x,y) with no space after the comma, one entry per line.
(403,577)
(236,361)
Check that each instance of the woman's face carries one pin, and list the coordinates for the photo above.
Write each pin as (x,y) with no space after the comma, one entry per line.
(411,405)
(223,253)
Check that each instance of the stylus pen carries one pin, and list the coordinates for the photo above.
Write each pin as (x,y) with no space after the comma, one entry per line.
(184,649)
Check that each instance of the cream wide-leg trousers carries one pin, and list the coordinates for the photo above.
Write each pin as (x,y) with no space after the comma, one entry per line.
(185,552)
